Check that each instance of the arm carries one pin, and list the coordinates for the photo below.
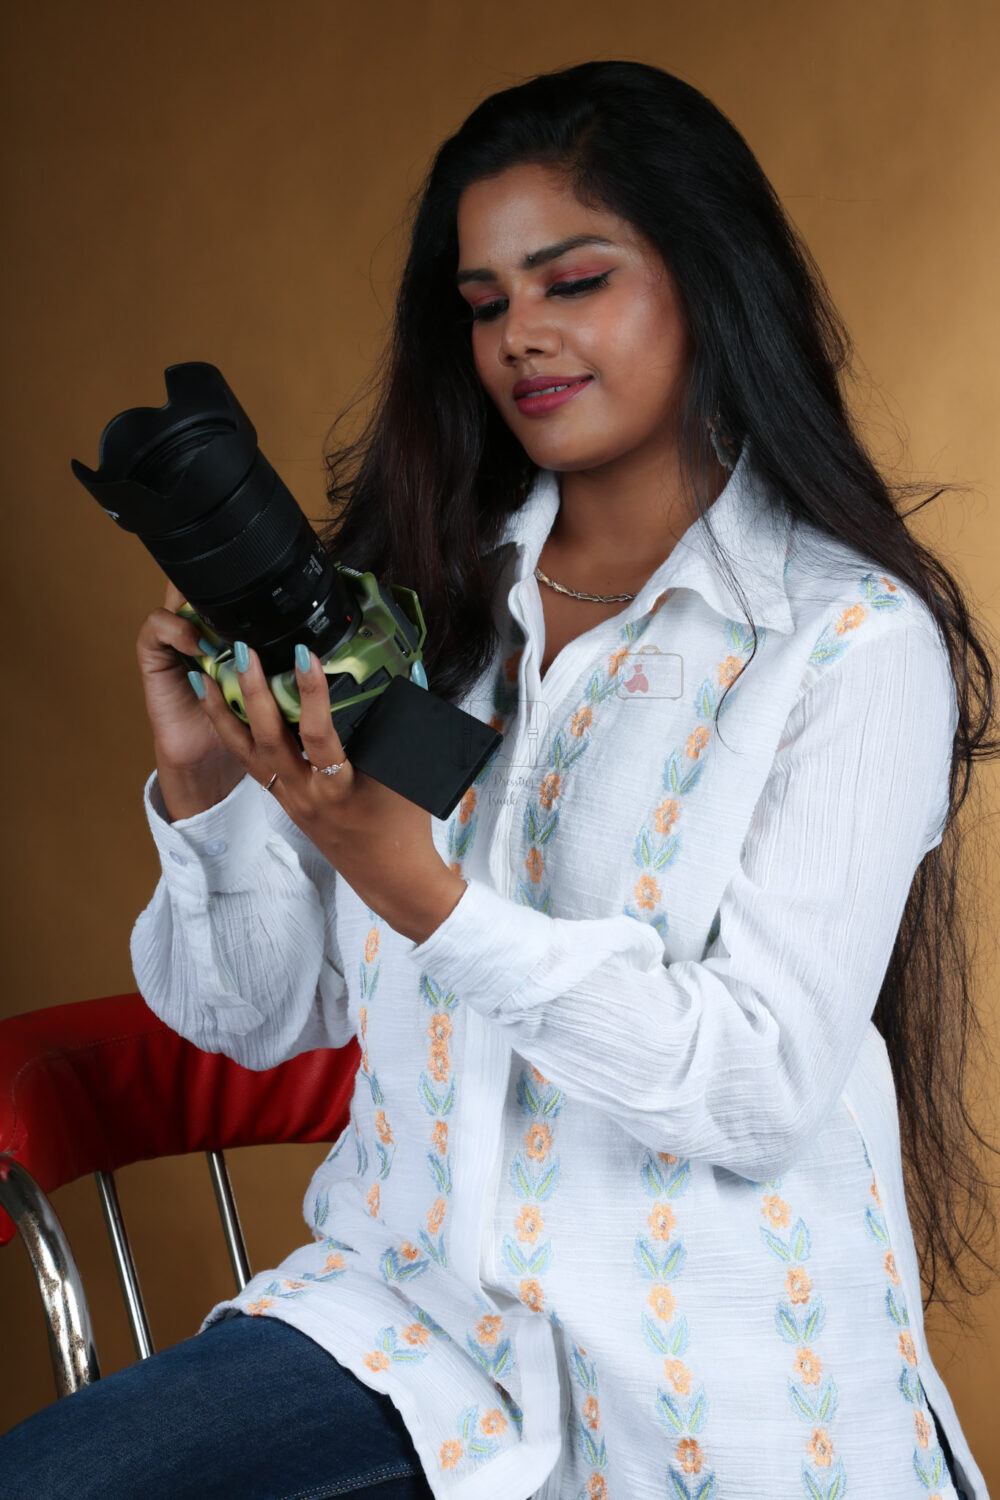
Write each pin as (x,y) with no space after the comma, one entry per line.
(739,1057)
(237,949)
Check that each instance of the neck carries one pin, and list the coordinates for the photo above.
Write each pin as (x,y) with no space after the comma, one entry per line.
(616,525)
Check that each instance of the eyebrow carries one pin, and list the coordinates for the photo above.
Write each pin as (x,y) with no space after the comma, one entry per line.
(538,257)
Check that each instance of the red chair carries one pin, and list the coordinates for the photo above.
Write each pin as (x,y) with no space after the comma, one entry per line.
(103,1083)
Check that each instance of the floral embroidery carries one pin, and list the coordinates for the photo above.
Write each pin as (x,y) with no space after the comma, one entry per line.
(587,1417)
(463,824)
(477,1440)
(812,1393)
(391,1352)
(437,1095)
(660,1259)
(878,594)
(929,1461)
(658,843)
(370,971)
(529,1255)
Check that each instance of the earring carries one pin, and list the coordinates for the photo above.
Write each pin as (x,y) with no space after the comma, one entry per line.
(721,446)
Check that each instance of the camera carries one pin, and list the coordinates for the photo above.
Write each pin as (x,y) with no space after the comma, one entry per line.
(190,481)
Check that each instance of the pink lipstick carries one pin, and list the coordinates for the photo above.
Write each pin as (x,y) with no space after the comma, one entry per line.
(543,393)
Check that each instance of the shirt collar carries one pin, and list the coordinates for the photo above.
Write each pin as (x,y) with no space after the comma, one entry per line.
(752,531)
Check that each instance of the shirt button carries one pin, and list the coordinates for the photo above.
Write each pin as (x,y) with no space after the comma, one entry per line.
(216,846)
(178,859)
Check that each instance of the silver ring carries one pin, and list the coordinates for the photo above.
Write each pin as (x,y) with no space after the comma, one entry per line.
(329,770)
(270,784)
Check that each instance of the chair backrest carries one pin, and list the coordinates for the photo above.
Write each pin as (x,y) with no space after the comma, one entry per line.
(99,1084)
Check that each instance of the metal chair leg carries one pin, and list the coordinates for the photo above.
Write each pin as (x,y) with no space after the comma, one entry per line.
(124,1264)
(67,1317)
(231,1227)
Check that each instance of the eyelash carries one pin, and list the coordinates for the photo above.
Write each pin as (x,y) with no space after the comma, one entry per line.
(490,310)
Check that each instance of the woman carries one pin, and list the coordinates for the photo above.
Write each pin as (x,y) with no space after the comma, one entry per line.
(620,1210)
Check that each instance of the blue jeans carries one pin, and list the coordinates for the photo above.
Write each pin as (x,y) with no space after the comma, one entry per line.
(251,1409)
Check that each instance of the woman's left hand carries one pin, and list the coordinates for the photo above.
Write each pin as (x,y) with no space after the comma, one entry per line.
(379,841)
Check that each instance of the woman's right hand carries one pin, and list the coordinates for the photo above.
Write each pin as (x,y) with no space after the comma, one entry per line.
(194,768)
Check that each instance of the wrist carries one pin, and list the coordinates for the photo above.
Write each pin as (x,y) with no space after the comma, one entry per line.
(187,791)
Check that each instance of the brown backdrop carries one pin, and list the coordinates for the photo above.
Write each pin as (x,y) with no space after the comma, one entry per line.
(229,182)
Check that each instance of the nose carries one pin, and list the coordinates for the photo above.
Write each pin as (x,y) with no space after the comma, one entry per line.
(526,331)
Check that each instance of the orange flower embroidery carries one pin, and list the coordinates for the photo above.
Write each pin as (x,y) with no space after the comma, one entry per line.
(467,806)
(534,864)
(890,1268)
(294,1285)
(661,1221)
(666,815)
(728,670)
(907,1349)
(616,658)
(256,1308)
(890,586)
(440,1136)
(538,1078)
(529,1224)
(373,1199)
(334,1263)
(697,742)
(363,1021)
(440,1061)
(435,1215)
(809,1366)
(383,1127)
(494,1421)
(678,1374)
(532,1295)
(415,1333)
(923,1427)
(592,1413)
(450,1454)
(851,619)
(821,1448)
(661,1300)
(596,1488)
(550,788)
(647,892)
(377,1360)
(488,1328)
(669,1157)
(440,1028)
(798,1285)
(364,1062)
(455,866)
(874,1192)
(689,1455)
(537,1142)
(776,1211)
(371,944)
(408,1251)
(581,721)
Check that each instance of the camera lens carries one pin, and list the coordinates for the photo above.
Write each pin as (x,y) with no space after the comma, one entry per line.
(189,480)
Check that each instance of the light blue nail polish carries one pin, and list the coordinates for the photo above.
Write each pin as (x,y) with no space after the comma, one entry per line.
(194,678)
(242,655)
(302,658)
(205,647)
(418,675)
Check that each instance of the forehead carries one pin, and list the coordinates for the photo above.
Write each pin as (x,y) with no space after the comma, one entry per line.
(503,219)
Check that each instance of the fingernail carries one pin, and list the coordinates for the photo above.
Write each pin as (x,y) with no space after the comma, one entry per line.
(194,678)
(302,658)
(242,655)
(206,647)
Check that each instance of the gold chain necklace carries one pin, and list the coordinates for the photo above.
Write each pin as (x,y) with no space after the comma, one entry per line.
(574,594)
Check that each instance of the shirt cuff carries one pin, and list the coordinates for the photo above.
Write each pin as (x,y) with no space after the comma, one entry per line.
(213,850)
(503,958)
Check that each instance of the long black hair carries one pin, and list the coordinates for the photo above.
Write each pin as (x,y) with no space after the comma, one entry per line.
(425,491)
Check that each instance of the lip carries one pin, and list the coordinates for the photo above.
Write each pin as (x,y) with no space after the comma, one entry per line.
(536,396)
